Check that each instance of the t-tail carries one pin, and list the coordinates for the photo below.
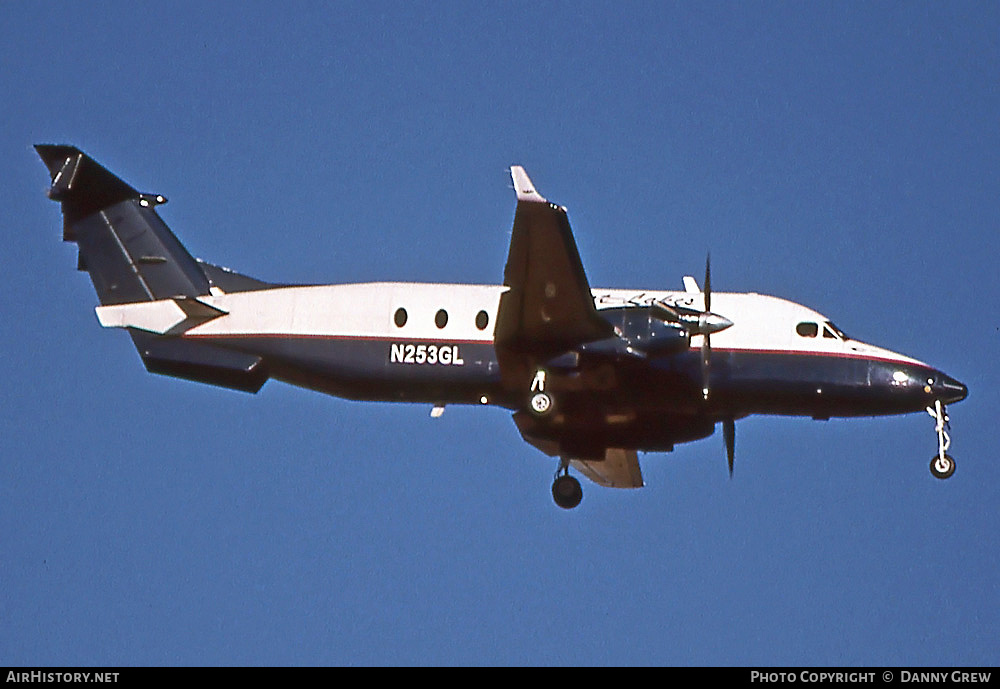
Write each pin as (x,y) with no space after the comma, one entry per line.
(128,250)
(145,279)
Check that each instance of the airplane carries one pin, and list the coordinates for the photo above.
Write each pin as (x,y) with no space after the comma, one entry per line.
(592,376)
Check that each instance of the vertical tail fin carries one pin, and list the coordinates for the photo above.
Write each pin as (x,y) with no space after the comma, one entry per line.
(132,256)
(128,250)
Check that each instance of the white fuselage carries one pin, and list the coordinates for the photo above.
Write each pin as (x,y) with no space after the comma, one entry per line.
(367,311)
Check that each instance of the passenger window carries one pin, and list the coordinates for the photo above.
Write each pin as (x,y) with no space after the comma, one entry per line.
(482,320)
(807,329)
(441,318)
(399,318)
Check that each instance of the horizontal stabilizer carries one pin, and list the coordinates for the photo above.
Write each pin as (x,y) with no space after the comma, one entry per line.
(163,317)
(80,183)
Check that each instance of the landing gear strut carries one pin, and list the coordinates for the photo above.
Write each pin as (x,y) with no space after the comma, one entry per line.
(566,490)
(942,465)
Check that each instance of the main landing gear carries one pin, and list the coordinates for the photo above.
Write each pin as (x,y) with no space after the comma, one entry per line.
(541,402)
(942,465)
(566,490)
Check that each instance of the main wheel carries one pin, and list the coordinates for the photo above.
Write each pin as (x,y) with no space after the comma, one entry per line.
(541,403)
(566,492)
(942,468)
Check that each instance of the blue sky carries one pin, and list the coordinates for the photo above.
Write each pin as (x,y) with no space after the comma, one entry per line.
(842,155)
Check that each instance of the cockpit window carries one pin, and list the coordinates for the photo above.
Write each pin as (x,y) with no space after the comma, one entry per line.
(807,329)
(830,330)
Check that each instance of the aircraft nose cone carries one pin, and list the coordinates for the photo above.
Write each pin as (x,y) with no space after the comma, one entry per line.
(949,390)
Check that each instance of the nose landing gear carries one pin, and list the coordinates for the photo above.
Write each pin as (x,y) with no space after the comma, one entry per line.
(942,465)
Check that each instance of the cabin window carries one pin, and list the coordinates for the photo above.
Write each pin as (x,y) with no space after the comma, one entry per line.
(807,329)
(482,320)
(399,318)
(441,318)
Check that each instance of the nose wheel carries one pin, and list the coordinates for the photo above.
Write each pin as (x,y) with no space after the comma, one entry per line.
(566,490)
(942,464)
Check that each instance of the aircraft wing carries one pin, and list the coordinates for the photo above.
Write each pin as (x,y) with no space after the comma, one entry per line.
(548,310)
(618,469)
(549,307)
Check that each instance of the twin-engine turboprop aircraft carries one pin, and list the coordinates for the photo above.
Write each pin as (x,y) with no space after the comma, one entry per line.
(592,375)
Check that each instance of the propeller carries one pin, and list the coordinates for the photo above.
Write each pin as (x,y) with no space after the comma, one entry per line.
(703,323)
(696,322)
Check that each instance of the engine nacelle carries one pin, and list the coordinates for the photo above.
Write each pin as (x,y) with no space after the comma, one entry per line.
(651,335)
(639,333)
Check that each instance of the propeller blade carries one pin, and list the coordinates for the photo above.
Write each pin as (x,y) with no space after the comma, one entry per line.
(706,355)
(706,344)
(729,435)
(708,283)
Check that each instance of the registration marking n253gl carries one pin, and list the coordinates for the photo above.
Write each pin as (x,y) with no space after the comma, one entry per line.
(446,355)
